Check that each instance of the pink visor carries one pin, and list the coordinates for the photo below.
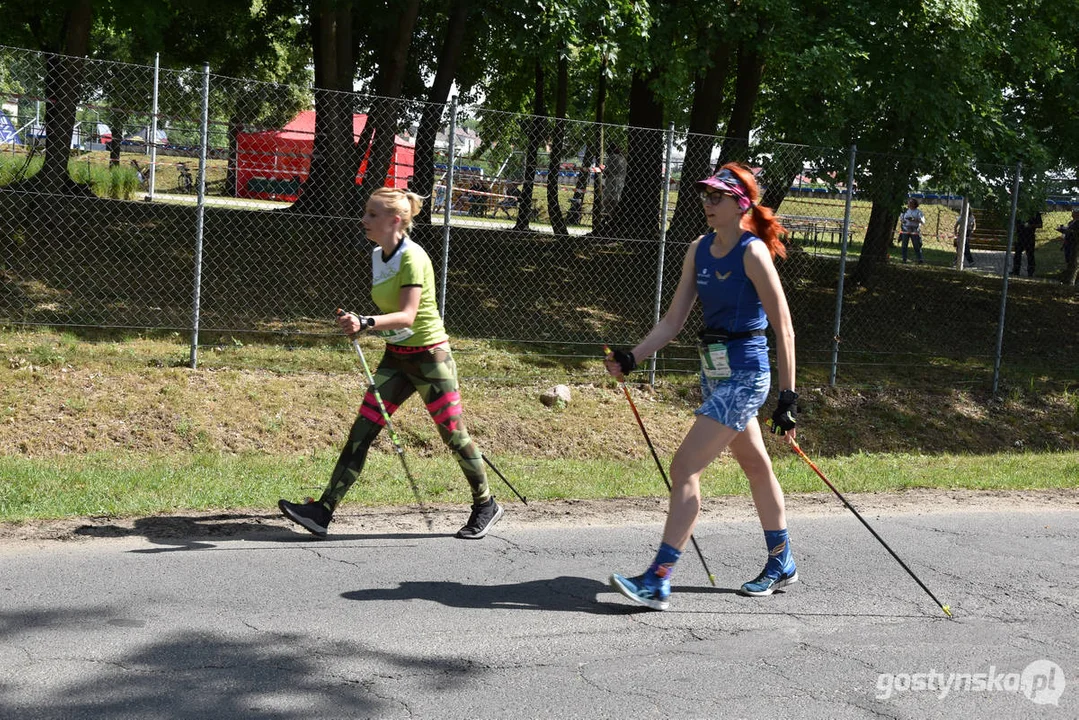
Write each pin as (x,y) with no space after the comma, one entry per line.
(727,181)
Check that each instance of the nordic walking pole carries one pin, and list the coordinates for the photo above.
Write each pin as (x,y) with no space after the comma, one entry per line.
(499,473)
(400,450)
(662,472)
(794,446)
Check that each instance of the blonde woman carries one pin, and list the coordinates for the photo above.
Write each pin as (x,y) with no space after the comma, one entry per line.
(731,270)
(417,359)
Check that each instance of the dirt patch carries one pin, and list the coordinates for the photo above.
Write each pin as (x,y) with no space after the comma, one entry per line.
(352,521)
(58,410)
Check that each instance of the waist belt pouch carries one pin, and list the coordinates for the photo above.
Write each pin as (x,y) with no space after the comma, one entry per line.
(710,336)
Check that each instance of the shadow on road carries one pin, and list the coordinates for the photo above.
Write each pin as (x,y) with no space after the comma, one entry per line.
(181,532)
(569,594)
(195,673)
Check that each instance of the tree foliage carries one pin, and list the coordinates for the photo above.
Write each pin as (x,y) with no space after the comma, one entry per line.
(953,91)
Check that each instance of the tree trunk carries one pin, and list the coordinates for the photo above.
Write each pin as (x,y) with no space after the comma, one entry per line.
(688,220)
(597,142)
(331,180)
(63,83)
(892,176)
(580,188)
(779,175)
(117,121)
(878,238)
(637,215)
(423,170)
(386,109)
(536,129)
(590,159)
(554,209)
(236,126)
(747,87)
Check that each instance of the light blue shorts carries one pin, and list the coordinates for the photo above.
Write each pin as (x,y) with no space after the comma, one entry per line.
(734,401)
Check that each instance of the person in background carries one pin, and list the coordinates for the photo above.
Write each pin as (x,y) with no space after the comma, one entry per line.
(1025,233)
(417,359)
(509,202)
(910,229)
(440,193)
(138,171)
(968,256)
(614,179)
(477,198)
(1070,237)
(732,271)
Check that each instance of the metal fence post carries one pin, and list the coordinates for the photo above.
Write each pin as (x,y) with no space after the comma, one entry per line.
(662,245)
(1007,274)
(961,239)
(447,207)
(200,213)
(153,127)
(842,265)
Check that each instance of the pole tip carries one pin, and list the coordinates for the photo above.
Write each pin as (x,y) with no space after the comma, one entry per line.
(947,610)
(712,579)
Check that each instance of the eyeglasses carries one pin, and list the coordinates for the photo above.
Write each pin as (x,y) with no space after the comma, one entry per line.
(714,198)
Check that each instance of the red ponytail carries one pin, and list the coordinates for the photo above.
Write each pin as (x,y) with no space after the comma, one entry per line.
(761,220)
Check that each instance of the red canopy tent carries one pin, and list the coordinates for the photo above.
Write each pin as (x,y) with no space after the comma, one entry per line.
(273,164)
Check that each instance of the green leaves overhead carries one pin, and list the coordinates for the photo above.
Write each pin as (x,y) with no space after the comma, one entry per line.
(946,81)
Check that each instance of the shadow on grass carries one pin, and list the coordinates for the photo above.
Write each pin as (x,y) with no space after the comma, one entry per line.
(84,262)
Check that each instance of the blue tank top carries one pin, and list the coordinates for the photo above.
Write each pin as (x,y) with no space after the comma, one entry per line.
(730,302)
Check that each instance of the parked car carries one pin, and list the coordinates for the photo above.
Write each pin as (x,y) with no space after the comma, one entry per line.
(139,138)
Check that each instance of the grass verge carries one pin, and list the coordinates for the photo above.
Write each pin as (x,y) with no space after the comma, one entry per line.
(108,484)
(100,424)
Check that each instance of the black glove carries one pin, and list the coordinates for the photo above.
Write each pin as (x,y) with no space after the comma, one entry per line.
(786,408)
(625,360)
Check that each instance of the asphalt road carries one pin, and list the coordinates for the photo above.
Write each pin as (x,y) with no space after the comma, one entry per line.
(270,623)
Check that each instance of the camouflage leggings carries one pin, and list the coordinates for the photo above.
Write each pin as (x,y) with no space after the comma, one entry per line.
(403,371)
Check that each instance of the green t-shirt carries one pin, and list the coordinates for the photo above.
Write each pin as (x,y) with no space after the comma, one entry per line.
(408,266)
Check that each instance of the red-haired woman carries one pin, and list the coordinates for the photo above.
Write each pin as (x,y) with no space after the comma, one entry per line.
(731,269)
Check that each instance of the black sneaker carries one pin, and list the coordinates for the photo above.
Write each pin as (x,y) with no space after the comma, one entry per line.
(482,519)
(311,515)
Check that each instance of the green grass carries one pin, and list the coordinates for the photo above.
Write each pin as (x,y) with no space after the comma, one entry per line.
(235,432)
(117,183)
(121,182)
(12,166)
(121,484)
(113,424)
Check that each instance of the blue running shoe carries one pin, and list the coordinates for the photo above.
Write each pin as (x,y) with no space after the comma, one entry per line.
(657,598)
(766,584)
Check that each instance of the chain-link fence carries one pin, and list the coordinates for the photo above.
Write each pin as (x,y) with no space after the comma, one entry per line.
(132,196)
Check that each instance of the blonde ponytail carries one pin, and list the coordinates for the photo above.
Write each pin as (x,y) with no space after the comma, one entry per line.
(405,204)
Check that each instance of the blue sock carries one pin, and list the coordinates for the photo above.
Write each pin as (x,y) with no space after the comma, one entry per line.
(662,568)
(780,559)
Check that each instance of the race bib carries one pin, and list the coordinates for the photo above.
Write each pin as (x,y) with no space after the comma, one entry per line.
(395,337)
(714,362)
